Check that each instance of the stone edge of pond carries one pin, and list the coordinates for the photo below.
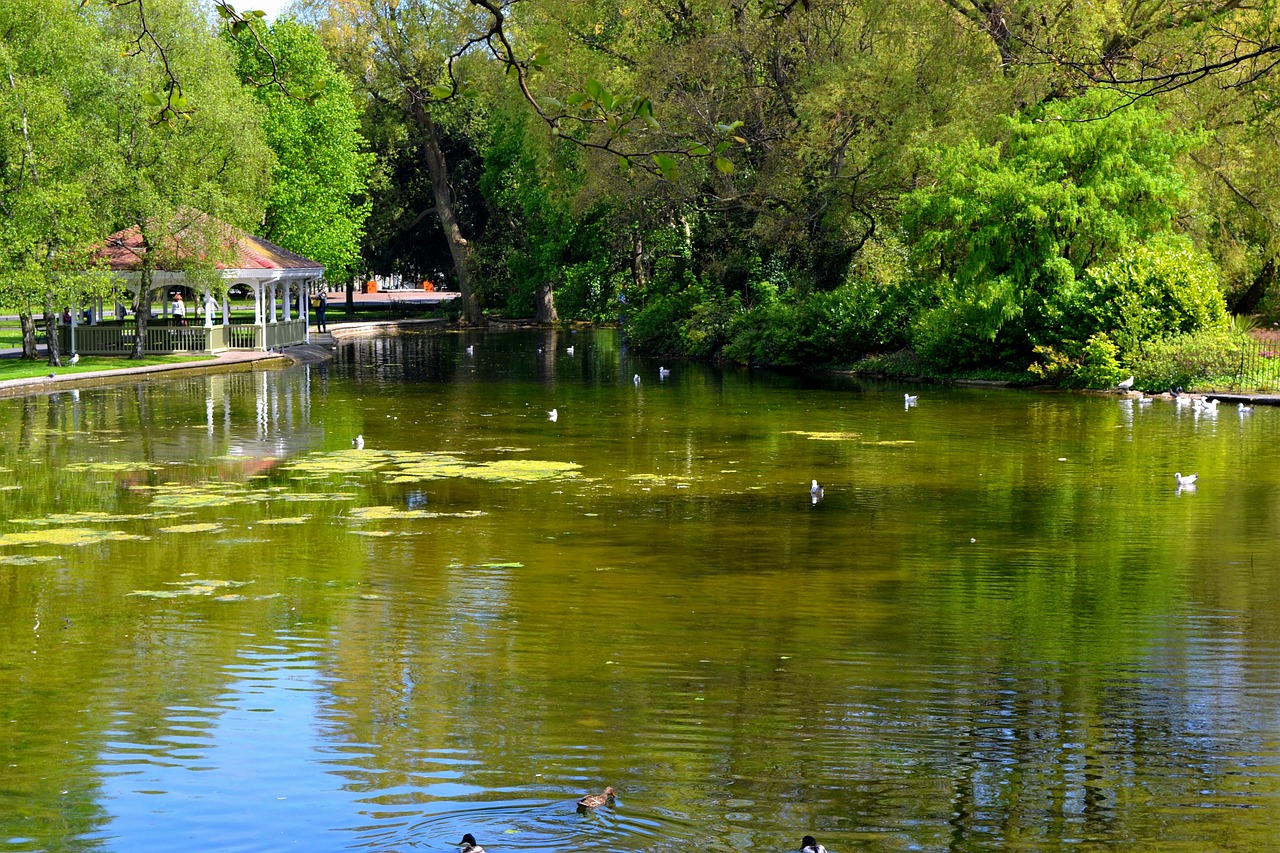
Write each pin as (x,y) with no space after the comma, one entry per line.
(225,363)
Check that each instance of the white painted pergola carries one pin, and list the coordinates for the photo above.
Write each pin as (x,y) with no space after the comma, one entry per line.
(280,281)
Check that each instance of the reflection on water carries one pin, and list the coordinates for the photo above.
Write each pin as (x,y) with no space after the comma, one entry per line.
(1001,627)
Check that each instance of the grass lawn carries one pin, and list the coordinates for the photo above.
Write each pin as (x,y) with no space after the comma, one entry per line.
(16,368)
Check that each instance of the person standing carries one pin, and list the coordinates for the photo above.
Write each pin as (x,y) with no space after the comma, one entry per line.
(322,302)
(179,309)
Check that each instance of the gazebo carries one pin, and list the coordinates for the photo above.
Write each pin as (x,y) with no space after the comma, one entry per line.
(279,281)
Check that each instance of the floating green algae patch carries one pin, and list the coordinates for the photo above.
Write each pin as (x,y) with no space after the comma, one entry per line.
(826,436)
(412,466)
(180,496)
(429,466)
(74,536)
(380,513)
(19,560)
(109,467)
(69,518)
(377,534)
(898,443)
(297,519)
(189,587)
(523,470)
(339,462)
(199,527)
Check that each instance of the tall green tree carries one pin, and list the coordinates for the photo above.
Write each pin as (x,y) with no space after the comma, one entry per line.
(202,158)
(318,203)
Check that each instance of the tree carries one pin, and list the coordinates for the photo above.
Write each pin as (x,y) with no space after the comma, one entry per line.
(51,162)
(1004,232)
(179,174)
(318,203)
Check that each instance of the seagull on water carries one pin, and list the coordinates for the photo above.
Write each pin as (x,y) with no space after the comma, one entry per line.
(1188,480)
(1243,409)
(815,491)
(636,379)
(468,844)
(569,350)
(553,415)
(910,399)
(358,442)
(1143,399)
(809,844)
(471,349)
(1125,385)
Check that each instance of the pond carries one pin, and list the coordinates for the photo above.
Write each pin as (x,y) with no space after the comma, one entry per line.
(1001,625)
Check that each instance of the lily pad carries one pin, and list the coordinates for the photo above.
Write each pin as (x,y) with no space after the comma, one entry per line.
(73,536)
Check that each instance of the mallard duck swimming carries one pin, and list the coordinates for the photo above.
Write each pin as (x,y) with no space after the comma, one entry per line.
(809,844)
(591,801)
(468,844)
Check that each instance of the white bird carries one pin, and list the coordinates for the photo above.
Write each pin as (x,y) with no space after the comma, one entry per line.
(471,349)
(809,844)
(1143,399)
(1182,400)
(1207,405)
(815,491)
(1189,480)
(910,399)
(663,373)
(75,359)
(569,350)
(358,442)
(553,415)
(1125,385)
(636,379)
(1244,410)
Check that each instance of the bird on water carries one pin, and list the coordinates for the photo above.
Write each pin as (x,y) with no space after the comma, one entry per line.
(591,801)
(468,844)
(1188,480)
(809,844)
(553,415)
(358,442)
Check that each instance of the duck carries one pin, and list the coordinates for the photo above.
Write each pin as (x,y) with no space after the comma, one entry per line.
(358,442)
(1188,480)
(468,844)
(1126,384)
(591,801)
(809,844)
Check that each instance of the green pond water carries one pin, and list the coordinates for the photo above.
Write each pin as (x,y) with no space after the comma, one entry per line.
(1002,627)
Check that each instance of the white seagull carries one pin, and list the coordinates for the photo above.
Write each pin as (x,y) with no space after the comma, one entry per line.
(358,442)
(910,399)
(636,379)
(1188,480)
(1125,385)
(569,350)
(471,349)
(815,491)
(1244,410)
(75,359)
(553,415)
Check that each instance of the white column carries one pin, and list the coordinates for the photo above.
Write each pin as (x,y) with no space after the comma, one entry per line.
(226,309)
(273,302)
(284,308)
(257,304)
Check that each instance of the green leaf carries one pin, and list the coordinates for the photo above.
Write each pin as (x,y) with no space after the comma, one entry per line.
(699,150)
(724,166)
(594,89)
(666,165)
(152,99)
(440,92)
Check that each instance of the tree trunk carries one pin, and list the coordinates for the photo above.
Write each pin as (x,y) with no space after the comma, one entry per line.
(351,300)
(638,275)
(545,305)
(51,330)
(29,349)
(1247,302)
(459,249)
(142,306)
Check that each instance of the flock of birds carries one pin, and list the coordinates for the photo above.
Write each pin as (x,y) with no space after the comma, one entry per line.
(808,844)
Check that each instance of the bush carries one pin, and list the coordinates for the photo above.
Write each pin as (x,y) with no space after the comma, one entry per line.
(1188,359)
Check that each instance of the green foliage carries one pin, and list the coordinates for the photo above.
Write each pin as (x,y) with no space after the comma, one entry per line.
(1161,288)
(1008,230)
(318,203)
(1189,359)
(1100,364)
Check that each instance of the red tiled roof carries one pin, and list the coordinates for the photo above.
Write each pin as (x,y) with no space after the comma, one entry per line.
(123,251)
